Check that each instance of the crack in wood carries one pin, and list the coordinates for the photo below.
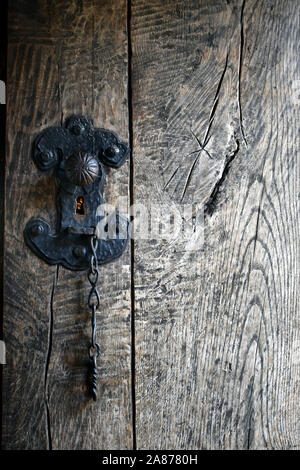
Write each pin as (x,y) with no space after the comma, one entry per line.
(48,358)
(202,146)
(215,103)
(206,136)
(256,229)
(240,71)
(131,201)
(212,200)
(172,176)
(190,175)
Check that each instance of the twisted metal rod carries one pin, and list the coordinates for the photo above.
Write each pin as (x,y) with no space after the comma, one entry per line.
(94,303)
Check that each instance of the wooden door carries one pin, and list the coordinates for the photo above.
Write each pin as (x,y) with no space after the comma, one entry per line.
(200,341)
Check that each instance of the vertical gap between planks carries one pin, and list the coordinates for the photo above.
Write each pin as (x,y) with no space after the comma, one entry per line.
(131,201)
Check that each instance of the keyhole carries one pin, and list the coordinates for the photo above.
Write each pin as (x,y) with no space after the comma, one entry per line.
(79,205)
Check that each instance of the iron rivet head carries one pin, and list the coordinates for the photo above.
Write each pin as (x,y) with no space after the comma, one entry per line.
(79,251)
(37,229)
(82,169)
(77,129)
(46,157)
(112,151)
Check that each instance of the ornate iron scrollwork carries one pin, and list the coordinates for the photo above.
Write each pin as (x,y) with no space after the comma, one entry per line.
(79,154)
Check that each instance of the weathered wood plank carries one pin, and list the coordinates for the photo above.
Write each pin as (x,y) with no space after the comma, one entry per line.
(65,57)
(217,351)
(31,103)
(92,57)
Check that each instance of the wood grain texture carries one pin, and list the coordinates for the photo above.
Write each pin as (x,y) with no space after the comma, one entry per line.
(215,103)
(28,281)
(65,57)
(216,123)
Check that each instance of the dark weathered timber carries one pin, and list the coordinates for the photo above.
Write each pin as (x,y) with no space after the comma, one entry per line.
(216,117)
(64,58)
(215,109)
(3,64)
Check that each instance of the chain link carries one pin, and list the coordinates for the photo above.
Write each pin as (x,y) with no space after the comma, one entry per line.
(94,303)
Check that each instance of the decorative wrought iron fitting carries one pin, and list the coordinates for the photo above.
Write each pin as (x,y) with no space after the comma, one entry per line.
(79,155)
